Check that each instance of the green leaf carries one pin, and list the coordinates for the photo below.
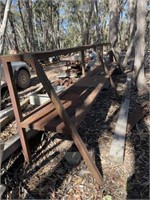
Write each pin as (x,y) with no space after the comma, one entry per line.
(107,197)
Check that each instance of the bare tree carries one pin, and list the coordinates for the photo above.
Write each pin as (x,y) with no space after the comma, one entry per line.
(4,25)
(140,45)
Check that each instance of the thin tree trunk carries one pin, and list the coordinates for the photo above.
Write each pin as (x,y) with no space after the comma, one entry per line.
(4,25)
(36,32)
(24,28)
(88,24)
(28,7)
(13,33)
(132,13)
(113,25)
(140,45)
(58,28)
(20,35)
(81,27)
(44,27)
(8,43)
(97,21)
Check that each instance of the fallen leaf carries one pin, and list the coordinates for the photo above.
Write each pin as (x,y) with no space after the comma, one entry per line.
(107,197)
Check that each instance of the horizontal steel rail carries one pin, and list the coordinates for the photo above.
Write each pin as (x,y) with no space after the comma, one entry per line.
(47,54)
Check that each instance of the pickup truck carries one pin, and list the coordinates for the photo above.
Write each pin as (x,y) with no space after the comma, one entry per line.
(21,74)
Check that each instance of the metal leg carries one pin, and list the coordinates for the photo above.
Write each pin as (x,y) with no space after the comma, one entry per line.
(68,123)
(17,109)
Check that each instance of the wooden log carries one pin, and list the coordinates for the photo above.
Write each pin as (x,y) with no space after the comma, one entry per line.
(117,147)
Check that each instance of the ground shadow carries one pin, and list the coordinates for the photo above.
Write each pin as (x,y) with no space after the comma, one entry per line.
(52,180)
(138,182)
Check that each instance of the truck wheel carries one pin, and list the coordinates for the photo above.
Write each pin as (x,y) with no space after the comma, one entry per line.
(23,79)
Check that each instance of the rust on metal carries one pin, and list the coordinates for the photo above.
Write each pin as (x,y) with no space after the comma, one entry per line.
(47,54)
(16,107)
(77,100)
(57,107)
(67,121)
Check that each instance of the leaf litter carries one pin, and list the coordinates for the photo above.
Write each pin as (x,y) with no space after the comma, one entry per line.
(50,176)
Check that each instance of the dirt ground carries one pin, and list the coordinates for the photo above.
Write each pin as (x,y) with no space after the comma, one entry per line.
(52,176)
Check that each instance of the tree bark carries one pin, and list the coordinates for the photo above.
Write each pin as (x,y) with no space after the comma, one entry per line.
(113,25)
(88,24)
(132,13)
(97,21)
(24,28)
(4,25)
(140,45)
(28,6)
(15,46)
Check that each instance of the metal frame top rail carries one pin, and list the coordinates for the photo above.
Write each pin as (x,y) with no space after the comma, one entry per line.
(47,54)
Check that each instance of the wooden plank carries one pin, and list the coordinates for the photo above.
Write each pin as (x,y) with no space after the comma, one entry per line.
(2,187)
(83,63)
(10,115)
(117,147)
(12,144)
(2,190)
(1,154)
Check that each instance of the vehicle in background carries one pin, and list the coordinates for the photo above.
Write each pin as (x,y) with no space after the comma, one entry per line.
(21,74)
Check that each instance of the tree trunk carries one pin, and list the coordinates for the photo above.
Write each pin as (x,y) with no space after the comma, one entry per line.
(97,21)
(4,25)
(28,6)
(45,31)
(24,28)
(15,46)
(132,13)
(140,45)
(113,25)
(88,24)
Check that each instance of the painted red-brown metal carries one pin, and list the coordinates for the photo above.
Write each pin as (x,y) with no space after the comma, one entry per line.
(47,54)
(33,58)
(16,107)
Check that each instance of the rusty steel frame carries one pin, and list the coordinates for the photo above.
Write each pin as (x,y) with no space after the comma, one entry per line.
(33,58)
